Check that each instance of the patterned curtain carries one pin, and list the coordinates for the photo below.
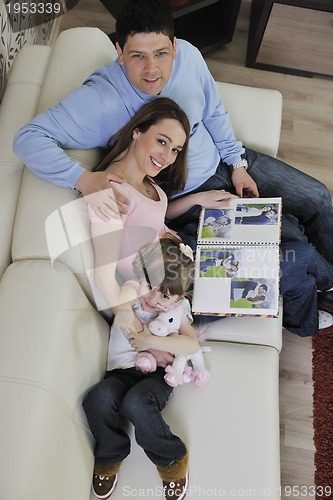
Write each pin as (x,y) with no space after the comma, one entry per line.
(18,28)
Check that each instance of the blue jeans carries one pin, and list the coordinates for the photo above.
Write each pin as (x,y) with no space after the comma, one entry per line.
(303,272)
(306,202)
(140,398)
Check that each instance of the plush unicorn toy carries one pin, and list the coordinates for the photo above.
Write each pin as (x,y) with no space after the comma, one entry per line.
(180,372)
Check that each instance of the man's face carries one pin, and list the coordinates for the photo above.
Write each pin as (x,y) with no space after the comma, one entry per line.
(148,60)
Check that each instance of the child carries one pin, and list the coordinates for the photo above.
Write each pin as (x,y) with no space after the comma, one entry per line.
(164,269)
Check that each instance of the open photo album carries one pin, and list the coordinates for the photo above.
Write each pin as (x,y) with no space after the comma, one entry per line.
(238,259)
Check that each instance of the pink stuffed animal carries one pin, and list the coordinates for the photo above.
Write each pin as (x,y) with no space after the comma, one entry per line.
(180,371)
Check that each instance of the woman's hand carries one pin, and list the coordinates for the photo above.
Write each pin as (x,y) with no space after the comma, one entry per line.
(215,198)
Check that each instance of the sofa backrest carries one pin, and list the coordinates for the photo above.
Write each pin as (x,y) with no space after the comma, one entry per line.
(256,115)
(41,205)
(51,222)
(17,107)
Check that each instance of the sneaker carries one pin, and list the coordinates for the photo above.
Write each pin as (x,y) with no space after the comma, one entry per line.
(325,319)
(175,490)
(103,486)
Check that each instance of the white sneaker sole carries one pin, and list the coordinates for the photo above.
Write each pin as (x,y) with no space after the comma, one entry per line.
(325,319)
(185,488)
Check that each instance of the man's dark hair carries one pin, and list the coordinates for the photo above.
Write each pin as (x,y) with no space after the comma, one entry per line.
(143,16)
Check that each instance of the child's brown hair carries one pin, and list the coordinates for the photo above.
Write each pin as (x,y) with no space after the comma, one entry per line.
(166,263)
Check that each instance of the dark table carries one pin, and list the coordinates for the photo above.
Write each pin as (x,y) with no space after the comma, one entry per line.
(207,24)
(291,36)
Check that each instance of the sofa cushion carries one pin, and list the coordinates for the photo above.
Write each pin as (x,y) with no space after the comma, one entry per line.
(231,429)
(248,330)
(58,341)
(53,349)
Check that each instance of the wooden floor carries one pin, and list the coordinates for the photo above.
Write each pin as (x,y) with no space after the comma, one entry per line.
(306,143)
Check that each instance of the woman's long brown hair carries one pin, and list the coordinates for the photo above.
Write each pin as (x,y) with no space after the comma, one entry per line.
(172,179)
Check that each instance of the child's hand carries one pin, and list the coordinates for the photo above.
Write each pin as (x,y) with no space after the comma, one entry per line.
(141,341)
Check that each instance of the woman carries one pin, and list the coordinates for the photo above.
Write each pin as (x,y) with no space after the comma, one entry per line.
(150,153)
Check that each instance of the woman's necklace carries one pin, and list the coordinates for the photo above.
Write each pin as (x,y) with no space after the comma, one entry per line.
(144,182)
(147,190)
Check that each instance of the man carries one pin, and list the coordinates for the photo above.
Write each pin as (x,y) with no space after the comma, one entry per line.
(151,63)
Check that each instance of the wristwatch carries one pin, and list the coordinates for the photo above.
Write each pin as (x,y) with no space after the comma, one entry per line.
(240,164)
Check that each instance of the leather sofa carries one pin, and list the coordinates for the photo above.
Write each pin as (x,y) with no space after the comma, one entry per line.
(53,340)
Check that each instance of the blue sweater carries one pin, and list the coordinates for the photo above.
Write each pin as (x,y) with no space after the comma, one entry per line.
(91,114)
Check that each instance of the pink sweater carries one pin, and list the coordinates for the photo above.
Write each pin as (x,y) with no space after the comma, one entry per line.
(143,223)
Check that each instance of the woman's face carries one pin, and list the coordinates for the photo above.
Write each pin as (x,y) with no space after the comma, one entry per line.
(158,147)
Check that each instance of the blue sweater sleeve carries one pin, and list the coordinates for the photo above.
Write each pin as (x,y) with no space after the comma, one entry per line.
(40,143)
(81,120)
(217,119)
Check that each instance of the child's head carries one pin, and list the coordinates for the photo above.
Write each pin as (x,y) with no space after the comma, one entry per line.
(143,16)
(173,178)
(165,269)
(270,212)
(262,288)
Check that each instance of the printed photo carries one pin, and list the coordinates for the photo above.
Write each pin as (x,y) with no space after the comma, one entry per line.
(252,293)
(256,214)
(216,223)
(219,263)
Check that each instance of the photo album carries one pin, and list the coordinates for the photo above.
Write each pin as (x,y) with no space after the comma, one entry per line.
(238,259)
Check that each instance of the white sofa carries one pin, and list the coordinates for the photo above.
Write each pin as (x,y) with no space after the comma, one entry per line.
(53,341)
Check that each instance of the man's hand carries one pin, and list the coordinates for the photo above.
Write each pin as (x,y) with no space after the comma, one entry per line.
(95,187)
(244,184)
